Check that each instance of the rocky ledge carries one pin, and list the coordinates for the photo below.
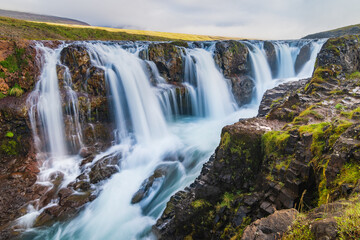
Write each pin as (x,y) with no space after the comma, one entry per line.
(301,152)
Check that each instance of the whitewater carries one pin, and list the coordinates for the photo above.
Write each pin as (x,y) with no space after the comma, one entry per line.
(152,130)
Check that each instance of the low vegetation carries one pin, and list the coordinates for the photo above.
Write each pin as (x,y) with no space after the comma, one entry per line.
(19,29)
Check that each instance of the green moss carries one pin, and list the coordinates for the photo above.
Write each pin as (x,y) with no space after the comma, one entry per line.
(9,147)
(300,230)
(180,43)
(337,92)
(317,131)
(321,74)
(354,75)
(16,91)
(313,113)
(351,114)
(350,174)
(225,140)
(336,130)
(284,163)
(348,225)
(226,201)
(200,203)
(14,62)
(324,192)
(274,141)
(9,134)
(339,106)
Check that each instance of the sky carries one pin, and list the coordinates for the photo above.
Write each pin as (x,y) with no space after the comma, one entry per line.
(254,19)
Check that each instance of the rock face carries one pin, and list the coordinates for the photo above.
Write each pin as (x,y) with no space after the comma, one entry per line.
(271,57)
(300,155)
(303,56)
(276,96)
(271,227)
(232,59)
(168,59)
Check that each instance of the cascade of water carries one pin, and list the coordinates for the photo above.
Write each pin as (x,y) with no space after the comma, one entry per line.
(127,80)
(175,148)
(45,102)
(308,67)
(261,70)
(286,54)
(214,97)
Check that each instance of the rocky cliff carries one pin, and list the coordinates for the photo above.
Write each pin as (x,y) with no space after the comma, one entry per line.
(301,152)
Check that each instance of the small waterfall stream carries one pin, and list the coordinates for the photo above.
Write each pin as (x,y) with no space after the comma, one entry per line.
(152,131)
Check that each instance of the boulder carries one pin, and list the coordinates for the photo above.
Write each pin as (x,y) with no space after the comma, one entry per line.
(168,60)
(271,227)
(232,59)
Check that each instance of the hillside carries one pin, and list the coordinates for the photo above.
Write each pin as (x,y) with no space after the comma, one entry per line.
(348,30)
(11,28)
(39,17)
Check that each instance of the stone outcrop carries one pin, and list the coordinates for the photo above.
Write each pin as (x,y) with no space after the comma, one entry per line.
(271,57)
(167,58)
(307,155)
(232,59)
(303,56)
(271,227)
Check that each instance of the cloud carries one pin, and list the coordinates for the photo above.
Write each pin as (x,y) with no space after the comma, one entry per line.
(266,19)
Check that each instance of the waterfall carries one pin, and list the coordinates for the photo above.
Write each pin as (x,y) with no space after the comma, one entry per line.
(130,90)
(286,56)
(213,96)
(158,128)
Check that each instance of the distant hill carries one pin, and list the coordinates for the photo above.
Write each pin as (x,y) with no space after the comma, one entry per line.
(11,28)
(40,18)
(349,30)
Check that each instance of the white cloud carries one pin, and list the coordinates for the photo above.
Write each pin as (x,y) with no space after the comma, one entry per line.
(267,19)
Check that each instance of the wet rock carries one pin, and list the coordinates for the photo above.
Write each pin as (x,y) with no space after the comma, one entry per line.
(271,227)
(231,57)
(147,184)
(168,60)
(271,57)
(85,152)
(303,56)
(104,169)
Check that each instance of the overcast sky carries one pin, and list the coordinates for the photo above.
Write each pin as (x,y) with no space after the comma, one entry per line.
(262,19)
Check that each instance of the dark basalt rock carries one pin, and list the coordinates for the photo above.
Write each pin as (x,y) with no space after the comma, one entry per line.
(147,184)
(271,227)
(232,59)
(276,96)
(168,60)
(303,56)
(271,57)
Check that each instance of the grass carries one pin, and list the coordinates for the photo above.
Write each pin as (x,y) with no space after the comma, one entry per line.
(274,141)
(16,91)
(19,29)
(349,223)
(300,230)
